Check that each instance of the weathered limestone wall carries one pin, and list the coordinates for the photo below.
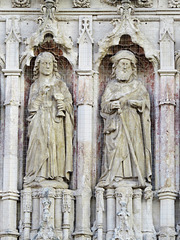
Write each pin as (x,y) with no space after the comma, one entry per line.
(86,38)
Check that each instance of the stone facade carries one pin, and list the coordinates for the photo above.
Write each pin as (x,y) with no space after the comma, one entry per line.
(83,36)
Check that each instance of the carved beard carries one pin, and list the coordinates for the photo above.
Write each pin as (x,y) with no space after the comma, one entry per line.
(124,75)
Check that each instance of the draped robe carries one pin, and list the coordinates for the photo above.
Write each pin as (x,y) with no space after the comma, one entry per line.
(49,152)
(117,155)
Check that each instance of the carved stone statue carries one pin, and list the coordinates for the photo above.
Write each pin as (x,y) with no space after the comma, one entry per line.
(50,130)
(125,108)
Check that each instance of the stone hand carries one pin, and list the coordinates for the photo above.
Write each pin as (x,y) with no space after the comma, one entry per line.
(61,108)
(135,103)
(60,105)
(58,96)
(115,105)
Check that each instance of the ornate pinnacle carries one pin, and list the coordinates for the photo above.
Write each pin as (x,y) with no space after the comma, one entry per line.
(49,8)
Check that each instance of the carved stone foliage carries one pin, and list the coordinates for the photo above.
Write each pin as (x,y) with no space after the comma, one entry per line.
(81,3)
(20,3)
(144,3)
(46,230)
(123,231)
(127,25)
(137,3)
(48,34)
(174,3)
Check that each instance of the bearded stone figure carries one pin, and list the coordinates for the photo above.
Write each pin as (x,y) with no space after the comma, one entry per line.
(50,129)
(125,108)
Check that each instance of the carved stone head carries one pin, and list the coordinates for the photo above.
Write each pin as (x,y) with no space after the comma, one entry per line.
(124,65)
(44,57)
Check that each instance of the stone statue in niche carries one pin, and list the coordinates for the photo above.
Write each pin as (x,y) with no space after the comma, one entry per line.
(50,131)
(125,108)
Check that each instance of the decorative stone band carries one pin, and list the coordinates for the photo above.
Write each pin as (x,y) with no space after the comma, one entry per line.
(167,102)
(12,72)
(10,195)
(84,72)
(167,193)
(9,234)
(166,233)
(137,193)
(163,72)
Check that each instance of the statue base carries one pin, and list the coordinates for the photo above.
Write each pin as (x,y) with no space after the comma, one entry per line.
(46,210)
(124,210)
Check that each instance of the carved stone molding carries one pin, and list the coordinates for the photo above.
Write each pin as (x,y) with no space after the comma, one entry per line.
(81,3)
(12,30)
(137,193)
(148,193)
(174,3)
(49,30)
(127,26)
(167,233)
(85,26)
(21,3)
(100,199)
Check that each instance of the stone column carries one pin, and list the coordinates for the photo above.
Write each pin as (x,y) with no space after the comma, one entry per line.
(85,129)
(147,218)
(99,212)
(167,214)
(27,209)
(137,213)
(35,211)
(111,213)
(58,212)
(167,134)
(67,208)
(12,72)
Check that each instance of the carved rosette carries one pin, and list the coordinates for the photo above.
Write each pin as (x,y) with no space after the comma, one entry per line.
(144,3)
(174,3)
(20,3)
(81,3)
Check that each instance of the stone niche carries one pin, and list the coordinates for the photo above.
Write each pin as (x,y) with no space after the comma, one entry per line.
(145,73)
(47,208)
(123,209)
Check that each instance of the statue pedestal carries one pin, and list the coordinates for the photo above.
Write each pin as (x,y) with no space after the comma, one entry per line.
(124,211)
(46,211)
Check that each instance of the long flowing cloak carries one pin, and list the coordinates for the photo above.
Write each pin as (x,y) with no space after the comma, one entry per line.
(117,156)
(49,152)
